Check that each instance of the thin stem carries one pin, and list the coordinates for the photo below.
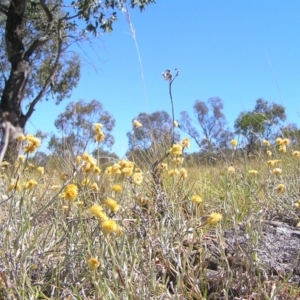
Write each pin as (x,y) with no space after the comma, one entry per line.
(172,104)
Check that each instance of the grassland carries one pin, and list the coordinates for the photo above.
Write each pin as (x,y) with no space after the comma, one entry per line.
(170,229)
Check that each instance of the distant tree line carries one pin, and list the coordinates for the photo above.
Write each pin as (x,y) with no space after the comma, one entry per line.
(207,128)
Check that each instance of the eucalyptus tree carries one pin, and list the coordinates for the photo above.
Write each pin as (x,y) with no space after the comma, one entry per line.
(209,127)
(76,132)
(263,122)
(35,61)
(152,135)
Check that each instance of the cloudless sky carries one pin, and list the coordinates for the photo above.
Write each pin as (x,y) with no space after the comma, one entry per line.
(236,50)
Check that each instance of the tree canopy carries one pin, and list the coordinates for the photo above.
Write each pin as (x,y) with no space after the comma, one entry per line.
(75,126)
(35,58)
(155,134)
(262,122)
(209,128)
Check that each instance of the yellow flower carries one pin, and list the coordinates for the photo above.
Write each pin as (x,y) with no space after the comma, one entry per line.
(231,169)
(87,168)
(183,173)
(117,188)
(278,141)
(277,171)
(176,150)
(21,158)
(95,187)
(253,172)
(297,204)
(32,144)
(282,148)
(173,172)
(296,153)
(99,137)
(108,170)
(143,201)
(109,226)
(93,263)
(185,143)
(214,218)
(21,137)
(137,124)
(266,143)
(70,192)
(125,164)
(112,204)
(175,123)
(127,171)
(41,170)
(85,156)
(78,159)
(4,164)
(137,178)
(196,199)
(178,160)
(269,153)
(98,127)
(280,188)
(30,184)
(119,230)
(285,142)
(97,170)
(271,163)
(97,211)
(85,181)
(116,169)
(14,186)
(234,143)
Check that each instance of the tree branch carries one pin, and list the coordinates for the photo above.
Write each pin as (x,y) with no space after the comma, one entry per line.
(41,41)
(3,9)
(49,80)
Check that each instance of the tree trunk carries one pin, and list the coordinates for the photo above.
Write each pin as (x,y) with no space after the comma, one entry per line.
(13,92)
(14,89)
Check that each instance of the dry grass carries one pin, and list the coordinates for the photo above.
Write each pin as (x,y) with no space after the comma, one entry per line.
(160,244)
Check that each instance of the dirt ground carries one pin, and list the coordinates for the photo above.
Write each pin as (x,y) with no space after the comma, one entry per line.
(262,257)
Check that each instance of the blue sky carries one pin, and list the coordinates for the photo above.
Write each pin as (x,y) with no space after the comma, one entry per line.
(236,50)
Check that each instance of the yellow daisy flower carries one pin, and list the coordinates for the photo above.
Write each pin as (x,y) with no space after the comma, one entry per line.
(277,171)
(196,199)
(253,172)
(93,263)
(214,218)
(117,188)
(112,204)
(30,184)
(176,150)
(109,226)
(280,188)
(234,143)
(296,154)
(137,178)
(70,192)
